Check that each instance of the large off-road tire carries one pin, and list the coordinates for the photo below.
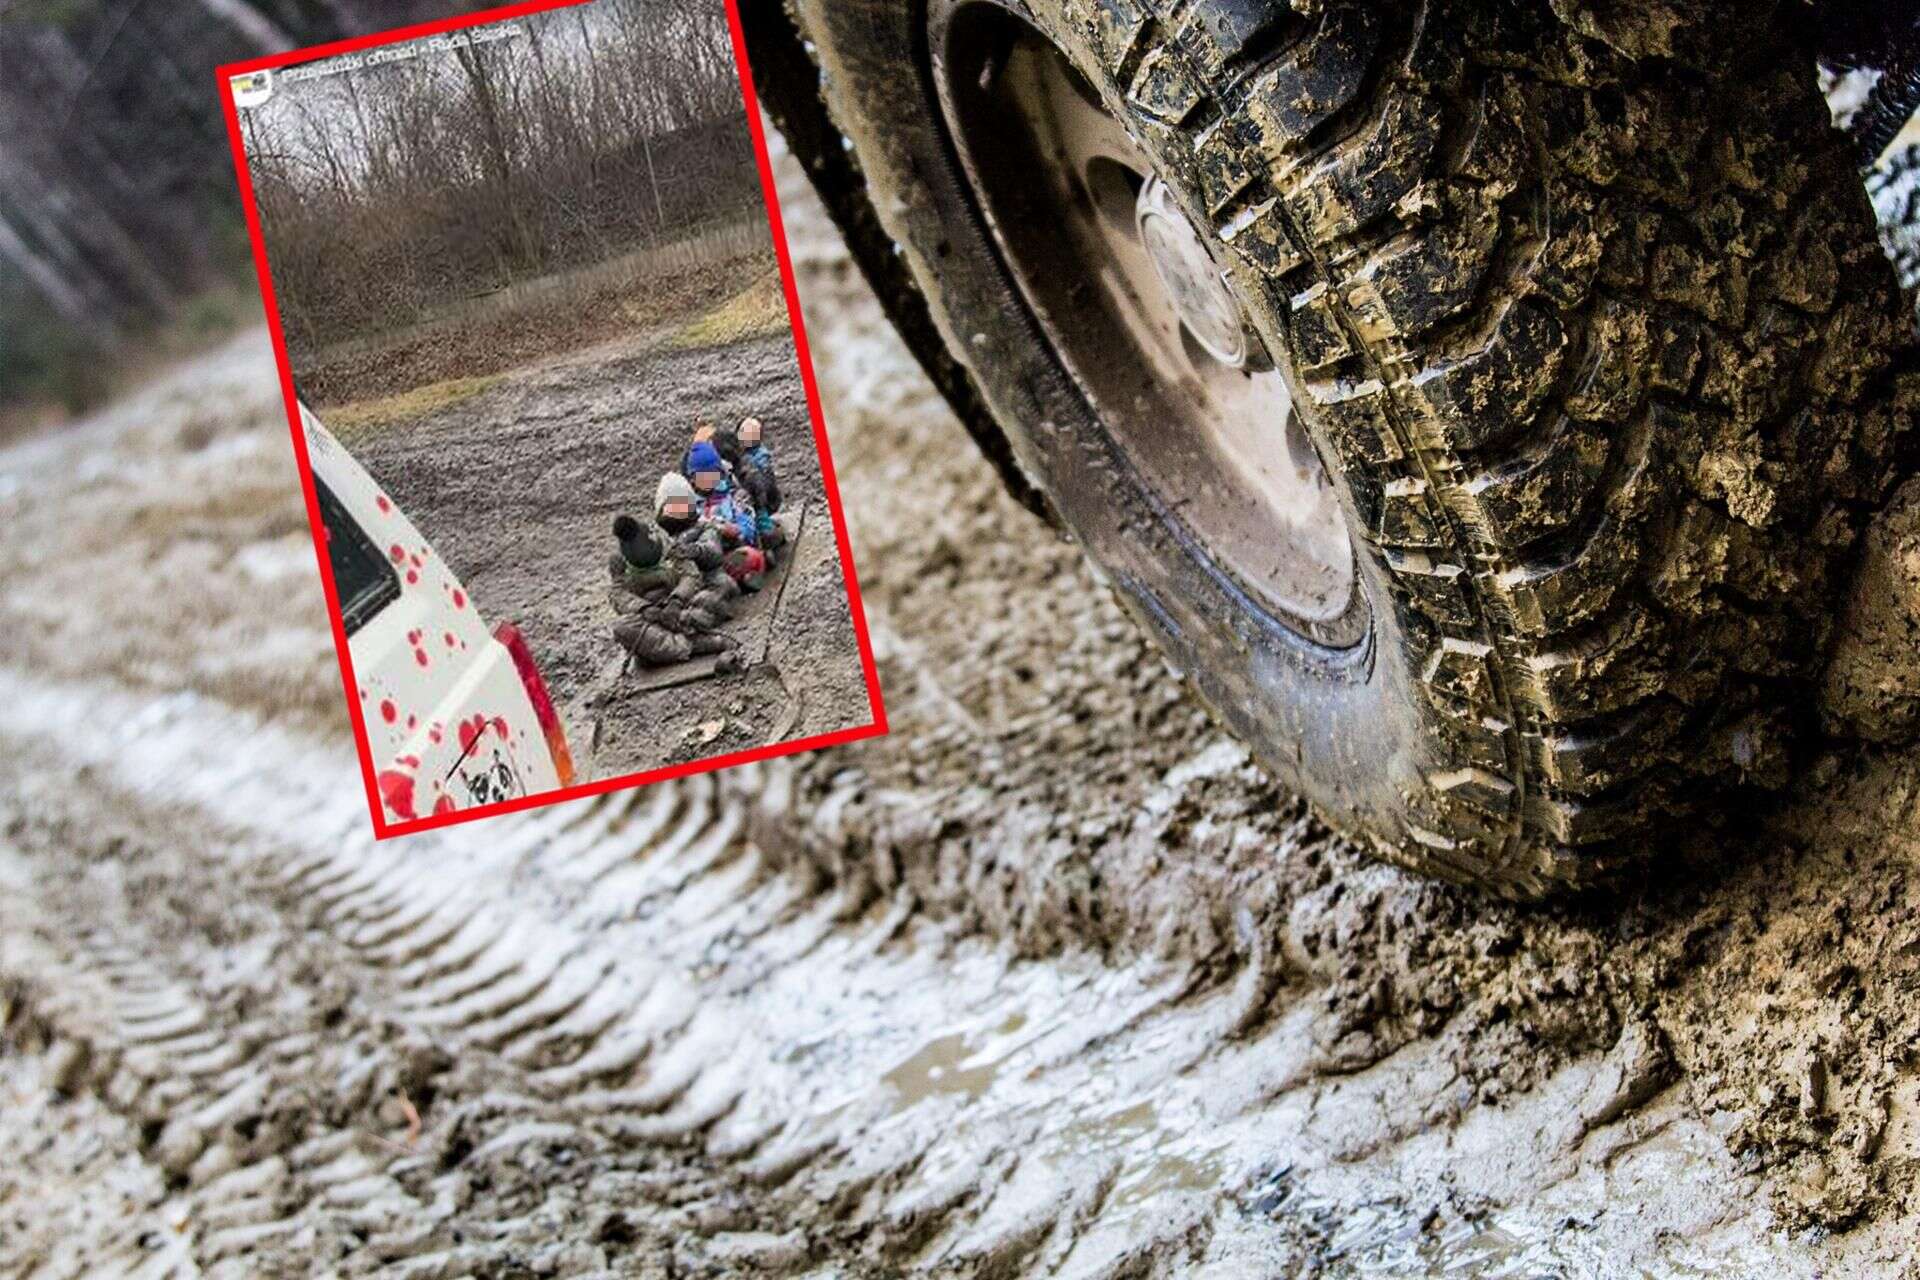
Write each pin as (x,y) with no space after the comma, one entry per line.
(1581,313)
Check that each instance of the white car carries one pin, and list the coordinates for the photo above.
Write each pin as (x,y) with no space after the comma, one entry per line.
(456,715)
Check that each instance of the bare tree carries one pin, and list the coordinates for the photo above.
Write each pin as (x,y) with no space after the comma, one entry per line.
(387,191)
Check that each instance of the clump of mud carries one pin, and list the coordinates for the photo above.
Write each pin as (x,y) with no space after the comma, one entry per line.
(1873,686)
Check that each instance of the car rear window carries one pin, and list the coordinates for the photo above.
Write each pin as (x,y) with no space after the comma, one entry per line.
(362,576)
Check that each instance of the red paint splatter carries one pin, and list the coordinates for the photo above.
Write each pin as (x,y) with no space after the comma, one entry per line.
(412,721)
(469,731)
(500,726)
(397,553)
(459,598)
(412,762)
(420,656)
(417,561)
(412,577)
(380,500)
(433,735)
(388,711)
(443,805)
(396,791)
(450,640)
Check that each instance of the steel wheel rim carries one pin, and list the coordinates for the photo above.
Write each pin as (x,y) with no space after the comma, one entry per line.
(1136,310)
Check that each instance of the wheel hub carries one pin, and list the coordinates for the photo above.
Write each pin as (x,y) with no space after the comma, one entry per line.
(1199,292)
(1126,290)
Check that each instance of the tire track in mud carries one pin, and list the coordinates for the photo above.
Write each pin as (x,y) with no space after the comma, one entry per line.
(1049,982)
(626,1009)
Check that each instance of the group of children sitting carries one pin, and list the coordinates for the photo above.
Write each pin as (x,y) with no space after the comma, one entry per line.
(712,538)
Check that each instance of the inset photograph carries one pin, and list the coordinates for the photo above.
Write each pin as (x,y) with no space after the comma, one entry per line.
(551,402)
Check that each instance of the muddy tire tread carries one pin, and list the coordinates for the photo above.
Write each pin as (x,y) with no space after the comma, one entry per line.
(1547,532)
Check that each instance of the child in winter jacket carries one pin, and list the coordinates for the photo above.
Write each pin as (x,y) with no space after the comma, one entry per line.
(753,471)
(703,433)
(677,510)
(756,453)
(723,503)
(677,514)
(658,597)
(641,566)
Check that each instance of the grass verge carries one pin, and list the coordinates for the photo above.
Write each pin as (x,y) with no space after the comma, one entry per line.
(757,311)
(362,418)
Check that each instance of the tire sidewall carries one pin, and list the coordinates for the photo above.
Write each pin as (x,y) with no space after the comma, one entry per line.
(1347,728)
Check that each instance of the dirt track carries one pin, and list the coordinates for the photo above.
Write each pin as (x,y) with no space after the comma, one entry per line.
(1050,981)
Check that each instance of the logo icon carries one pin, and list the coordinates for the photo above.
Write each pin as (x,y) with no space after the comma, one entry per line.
(252,89)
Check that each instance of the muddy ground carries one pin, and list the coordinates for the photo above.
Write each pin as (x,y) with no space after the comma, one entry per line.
(518,485)
(1050,981)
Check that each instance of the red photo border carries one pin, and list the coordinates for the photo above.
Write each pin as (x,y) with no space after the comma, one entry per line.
(381,827)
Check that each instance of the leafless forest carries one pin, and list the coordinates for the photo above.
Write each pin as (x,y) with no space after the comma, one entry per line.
(389,188)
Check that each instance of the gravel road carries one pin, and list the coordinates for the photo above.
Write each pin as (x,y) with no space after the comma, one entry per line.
(1050,981)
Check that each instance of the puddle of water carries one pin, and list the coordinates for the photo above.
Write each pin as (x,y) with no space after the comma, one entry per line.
(1171,1173)
(1160,1161)
(1109,1132)
(956,1062)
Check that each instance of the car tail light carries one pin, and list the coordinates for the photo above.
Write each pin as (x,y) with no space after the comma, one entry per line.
(516,646)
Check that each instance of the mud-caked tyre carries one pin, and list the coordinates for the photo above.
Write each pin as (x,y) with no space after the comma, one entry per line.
(1581,316)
